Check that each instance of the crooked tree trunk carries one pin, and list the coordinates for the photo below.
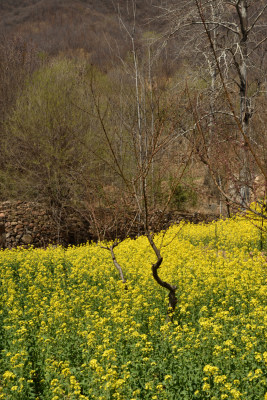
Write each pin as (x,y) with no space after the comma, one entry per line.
(155,267)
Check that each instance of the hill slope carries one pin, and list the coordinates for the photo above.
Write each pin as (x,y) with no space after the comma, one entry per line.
(66,25)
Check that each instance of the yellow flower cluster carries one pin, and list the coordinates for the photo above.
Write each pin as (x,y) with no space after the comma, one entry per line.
(71,329)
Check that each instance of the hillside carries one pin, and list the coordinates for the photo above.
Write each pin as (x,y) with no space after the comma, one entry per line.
(17,11)
(61,25)
(98,106)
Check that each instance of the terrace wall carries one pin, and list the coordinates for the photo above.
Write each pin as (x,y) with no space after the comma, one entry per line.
(33,224)
(30,223)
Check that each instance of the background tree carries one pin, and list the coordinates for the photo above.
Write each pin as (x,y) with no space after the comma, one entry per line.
(230,39)
(17,62)
(46,138)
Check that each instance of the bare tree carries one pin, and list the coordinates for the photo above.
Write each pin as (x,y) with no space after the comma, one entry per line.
(230,39)
(152,135)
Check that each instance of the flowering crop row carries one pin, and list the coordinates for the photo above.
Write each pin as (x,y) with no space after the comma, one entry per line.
(69,329)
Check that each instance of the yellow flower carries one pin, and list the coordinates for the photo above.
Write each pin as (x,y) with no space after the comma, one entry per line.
(206,387)
(8,375)
(210,369)
(220,379)
(159,387)
(93,363)
(167,377)
(149,385)
(235,393)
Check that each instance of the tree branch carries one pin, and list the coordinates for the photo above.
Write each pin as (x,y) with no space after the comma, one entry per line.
(256,19)
(115,262)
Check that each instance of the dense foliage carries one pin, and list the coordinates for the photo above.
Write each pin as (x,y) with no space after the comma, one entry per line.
(70,330)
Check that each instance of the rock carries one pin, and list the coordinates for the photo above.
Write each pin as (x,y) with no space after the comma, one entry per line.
(27,238)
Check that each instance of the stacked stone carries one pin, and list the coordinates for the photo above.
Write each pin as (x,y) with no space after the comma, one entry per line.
(32,224)
(27,223)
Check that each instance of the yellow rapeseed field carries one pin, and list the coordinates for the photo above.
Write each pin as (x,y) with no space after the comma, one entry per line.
(70,330)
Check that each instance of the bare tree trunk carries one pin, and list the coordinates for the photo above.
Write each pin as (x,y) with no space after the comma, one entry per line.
(245,111)
(213,67)
(114,259)
(152,122)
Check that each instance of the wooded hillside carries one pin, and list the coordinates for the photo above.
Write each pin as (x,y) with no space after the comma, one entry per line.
(133,105)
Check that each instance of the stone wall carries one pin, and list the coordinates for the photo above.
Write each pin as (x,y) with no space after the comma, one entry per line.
(30,223)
